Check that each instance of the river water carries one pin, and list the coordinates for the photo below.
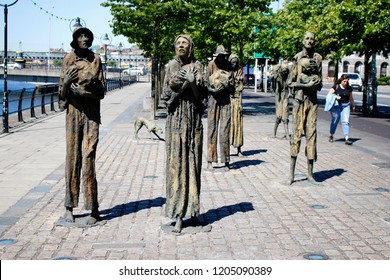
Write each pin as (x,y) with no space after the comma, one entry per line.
(15,87)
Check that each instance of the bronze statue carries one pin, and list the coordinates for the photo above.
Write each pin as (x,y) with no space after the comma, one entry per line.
(273,74)
(185,94)
(150,125)
(82,86)
(279,74)
(220,87)
(305,80)
(236,126)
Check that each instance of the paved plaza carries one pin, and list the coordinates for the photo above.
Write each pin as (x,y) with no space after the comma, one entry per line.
(249,212)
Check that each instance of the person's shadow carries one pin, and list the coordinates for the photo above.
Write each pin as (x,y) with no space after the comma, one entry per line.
(322,176)
(207,218)
(246,162)
(131,207)
(213,215)
(253,152)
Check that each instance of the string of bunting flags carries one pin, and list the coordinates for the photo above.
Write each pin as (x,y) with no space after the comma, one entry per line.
(50,13)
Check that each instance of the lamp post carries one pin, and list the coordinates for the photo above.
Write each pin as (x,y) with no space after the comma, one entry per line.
(129,58)
(120,46)
(105,40)
(5,97)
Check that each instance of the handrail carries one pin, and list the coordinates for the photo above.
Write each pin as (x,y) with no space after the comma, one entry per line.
(42,96)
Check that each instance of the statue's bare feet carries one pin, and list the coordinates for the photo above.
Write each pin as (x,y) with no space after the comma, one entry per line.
(178,225)
(239,153)
(69,218)
(311,180)
(93,218)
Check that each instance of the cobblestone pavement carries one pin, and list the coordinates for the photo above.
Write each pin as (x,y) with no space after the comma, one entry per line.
(252,213)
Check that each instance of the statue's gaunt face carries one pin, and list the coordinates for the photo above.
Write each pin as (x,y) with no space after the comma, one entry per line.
(82,41)
(308,40)
(182,48)
(234,63)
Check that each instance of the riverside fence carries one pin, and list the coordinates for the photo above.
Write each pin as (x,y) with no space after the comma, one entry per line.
(34,102)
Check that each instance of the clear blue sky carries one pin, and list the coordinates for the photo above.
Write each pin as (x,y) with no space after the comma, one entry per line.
(31,23)
(38,30)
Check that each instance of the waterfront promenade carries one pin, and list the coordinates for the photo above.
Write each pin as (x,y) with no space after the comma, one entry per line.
(252,213)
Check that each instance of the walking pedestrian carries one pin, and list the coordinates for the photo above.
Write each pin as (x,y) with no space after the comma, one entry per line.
(343,92)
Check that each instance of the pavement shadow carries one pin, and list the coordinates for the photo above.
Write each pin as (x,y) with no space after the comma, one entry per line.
(258,108)
(327,174)
(246,162)
(131,207)
(353,140)
(253,152)
(214,215)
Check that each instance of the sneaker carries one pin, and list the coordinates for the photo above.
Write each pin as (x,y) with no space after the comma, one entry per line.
(331,139)
(348,142)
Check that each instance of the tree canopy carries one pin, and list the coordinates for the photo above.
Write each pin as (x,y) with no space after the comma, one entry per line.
(342,27)
(153,25)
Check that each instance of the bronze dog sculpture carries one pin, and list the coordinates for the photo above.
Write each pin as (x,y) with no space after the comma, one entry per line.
(150,126)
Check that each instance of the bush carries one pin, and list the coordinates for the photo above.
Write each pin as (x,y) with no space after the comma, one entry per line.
(384,81)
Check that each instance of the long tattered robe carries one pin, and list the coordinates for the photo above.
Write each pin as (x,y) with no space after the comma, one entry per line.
(184,141)
(82,128)
(219,113)
(305,104)
(281,94)
(236,124)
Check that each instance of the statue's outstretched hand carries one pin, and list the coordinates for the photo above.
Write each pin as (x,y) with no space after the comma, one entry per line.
(70,75)
(76,89)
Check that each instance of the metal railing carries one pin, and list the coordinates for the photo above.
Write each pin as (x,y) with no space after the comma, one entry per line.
(44,98)
(30,99)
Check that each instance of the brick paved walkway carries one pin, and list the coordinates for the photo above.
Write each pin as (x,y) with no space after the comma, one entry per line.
(252,213)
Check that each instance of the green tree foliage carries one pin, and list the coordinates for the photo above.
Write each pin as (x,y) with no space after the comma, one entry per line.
(228,23)
(154,24)
(341,27)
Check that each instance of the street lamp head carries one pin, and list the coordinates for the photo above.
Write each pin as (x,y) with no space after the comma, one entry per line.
(8,5)
(120,46)
(77,24)
(105,39)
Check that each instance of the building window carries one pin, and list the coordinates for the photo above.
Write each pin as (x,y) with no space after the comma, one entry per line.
(383,72)
(359,67)
(330,69)
(345,66)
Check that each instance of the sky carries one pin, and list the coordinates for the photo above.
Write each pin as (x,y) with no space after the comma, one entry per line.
(38,25)
(31,23)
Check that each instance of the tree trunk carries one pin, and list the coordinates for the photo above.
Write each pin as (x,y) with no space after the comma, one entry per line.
(336,70)
(154,86)
(365,82)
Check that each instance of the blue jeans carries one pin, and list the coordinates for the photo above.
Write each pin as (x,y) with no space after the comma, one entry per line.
(340,112)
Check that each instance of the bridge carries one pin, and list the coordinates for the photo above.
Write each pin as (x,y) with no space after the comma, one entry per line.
(125,56)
